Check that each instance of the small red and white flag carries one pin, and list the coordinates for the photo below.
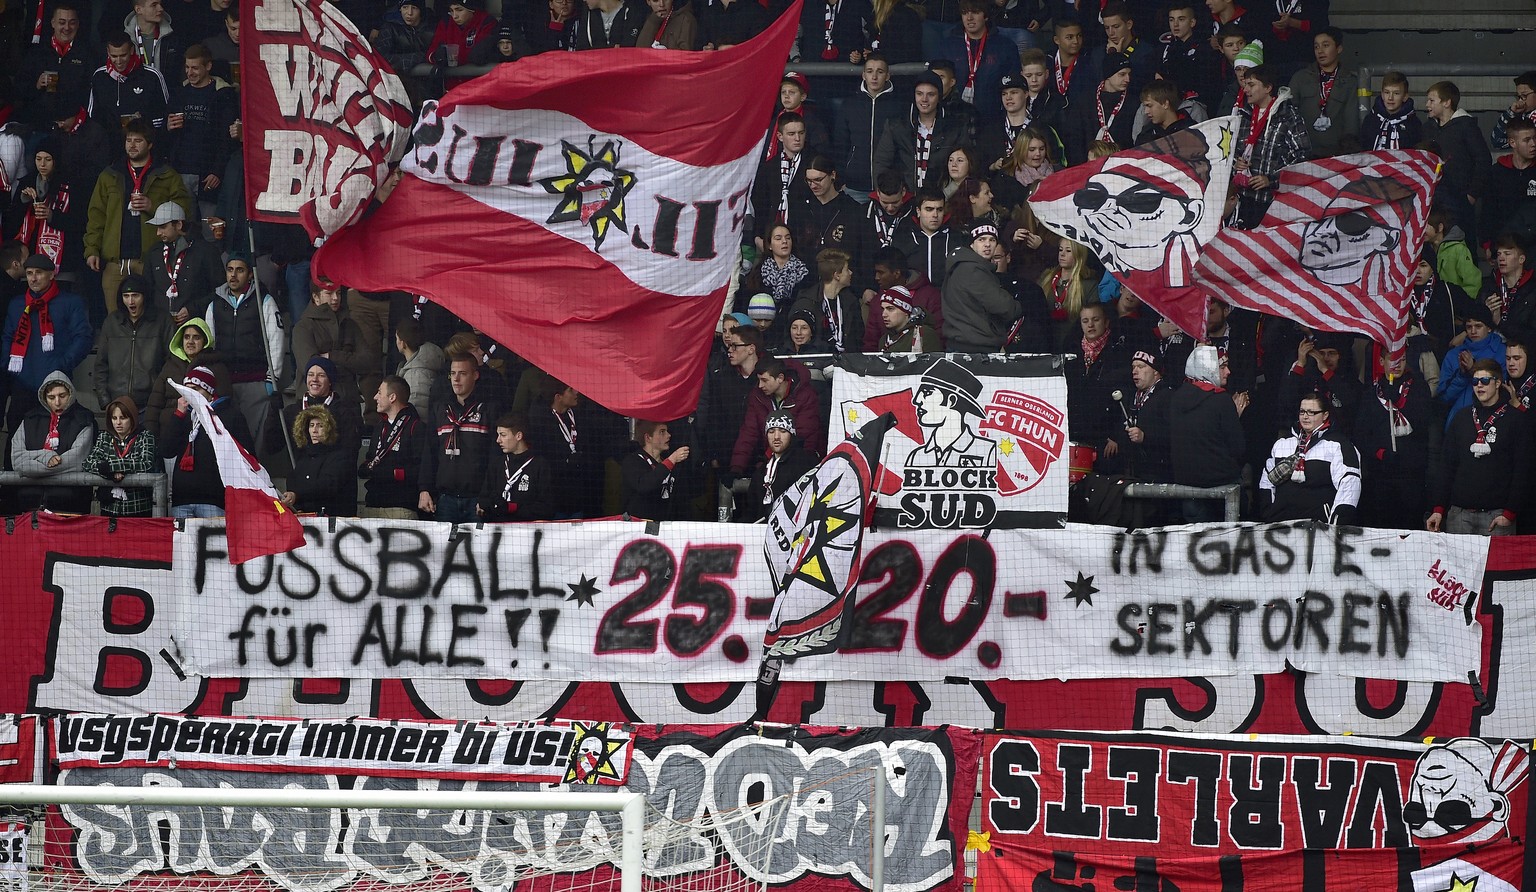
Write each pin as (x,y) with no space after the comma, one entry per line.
(585,209)
(256,522)
(1337,249)
(1147,212)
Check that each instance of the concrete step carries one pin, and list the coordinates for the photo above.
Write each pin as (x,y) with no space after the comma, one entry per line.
(1434,15)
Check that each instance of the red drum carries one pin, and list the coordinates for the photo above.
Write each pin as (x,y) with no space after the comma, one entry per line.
(1080,459)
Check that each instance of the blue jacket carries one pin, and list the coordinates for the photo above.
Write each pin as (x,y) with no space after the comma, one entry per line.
(1000,56)
(72,340)
(1455,384)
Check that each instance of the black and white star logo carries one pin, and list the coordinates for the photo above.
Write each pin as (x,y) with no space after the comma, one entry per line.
(1082,590)
(582,592)
(592,189)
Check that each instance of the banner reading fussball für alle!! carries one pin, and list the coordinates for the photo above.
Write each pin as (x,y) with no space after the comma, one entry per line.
(1158,813)
(605,601)
(788,807)
(979,442)
(93,611)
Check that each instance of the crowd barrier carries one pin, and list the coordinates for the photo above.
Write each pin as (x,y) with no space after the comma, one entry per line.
(158,484)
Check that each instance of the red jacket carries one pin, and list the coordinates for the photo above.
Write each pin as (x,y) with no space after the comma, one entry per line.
(481,27)
(924,295)
(802,404)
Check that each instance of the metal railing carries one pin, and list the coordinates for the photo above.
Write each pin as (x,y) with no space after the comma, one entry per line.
(809,69)
(1232,494)
(158,484)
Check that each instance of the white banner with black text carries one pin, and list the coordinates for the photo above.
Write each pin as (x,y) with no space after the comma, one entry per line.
(608,601)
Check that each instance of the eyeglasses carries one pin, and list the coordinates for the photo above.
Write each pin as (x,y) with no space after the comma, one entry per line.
(1452,814)
(816,181)
(1139,199)
(1353,223)
(734,346)
(1310,412)
(1484,380)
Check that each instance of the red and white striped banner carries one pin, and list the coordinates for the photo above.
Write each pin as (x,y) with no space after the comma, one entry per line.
(1147,212)
(1337,249)
(584,209)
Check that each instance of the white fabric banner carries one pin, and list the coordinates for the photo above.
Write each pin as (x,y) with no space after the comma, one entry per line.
(602,191)
(607,602)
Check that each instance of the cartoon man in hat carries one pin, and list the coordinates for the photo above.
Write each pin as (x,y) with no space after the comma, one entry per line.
(1353,241)
(1459,791)
(1142,212)
(947,399)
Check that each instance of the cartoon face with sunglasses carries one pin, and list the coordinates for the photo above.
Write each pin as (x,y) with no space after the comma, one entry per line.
(1458,791)
(1140,221)
(1362,222)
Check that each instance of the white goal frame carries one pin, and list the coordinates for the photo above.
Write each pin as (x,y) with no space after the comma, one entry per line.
(630,805)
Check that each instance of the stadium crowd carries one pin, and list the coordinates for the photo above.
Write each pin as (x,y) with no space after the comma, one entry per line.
(886,218)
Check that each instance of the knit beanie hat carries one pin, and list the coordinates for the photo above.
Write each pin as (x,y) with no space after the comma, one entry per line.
(202,378)
(325,366)
(899,297)
(762,306)
(805,316)
(1250,56)
(780,421)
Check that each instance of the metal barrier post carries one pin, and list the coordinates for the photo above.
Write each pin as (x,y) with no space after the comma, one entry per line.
(157,484)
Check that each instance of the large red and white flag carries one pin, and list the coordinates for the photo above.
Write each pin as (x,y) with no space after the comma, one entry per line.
(1337,249)
(1146,213)
(585,209)
(323,115)
(255,520)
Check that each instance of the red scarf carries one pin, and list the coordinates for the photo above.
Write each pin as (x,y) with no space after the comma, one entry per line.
(1325,81)
(122,76)
(61,48)
(1059,285)
(173,271)
(37,306)
(1064,74)
(1260,120)
(51,442)
(1105,124)
(973,60)
(1303,446)
(40,235)
(1092,349)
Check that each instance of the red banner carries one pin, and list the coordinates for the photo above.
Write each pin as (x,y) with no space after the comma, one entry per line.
(89,630)
(623,218)
(323,115)
(1163,813)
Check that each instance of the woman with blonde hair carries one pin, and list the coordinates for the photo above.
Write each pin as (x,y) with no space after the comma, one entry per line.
(1101,148)
(324,479)
(898,31)
(1068,285)
(1025,165)
(1030,160)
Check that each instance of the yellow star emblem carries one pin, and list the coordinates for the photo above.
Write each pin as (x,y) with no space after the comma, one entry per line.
(1460,885)
(1006,446)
